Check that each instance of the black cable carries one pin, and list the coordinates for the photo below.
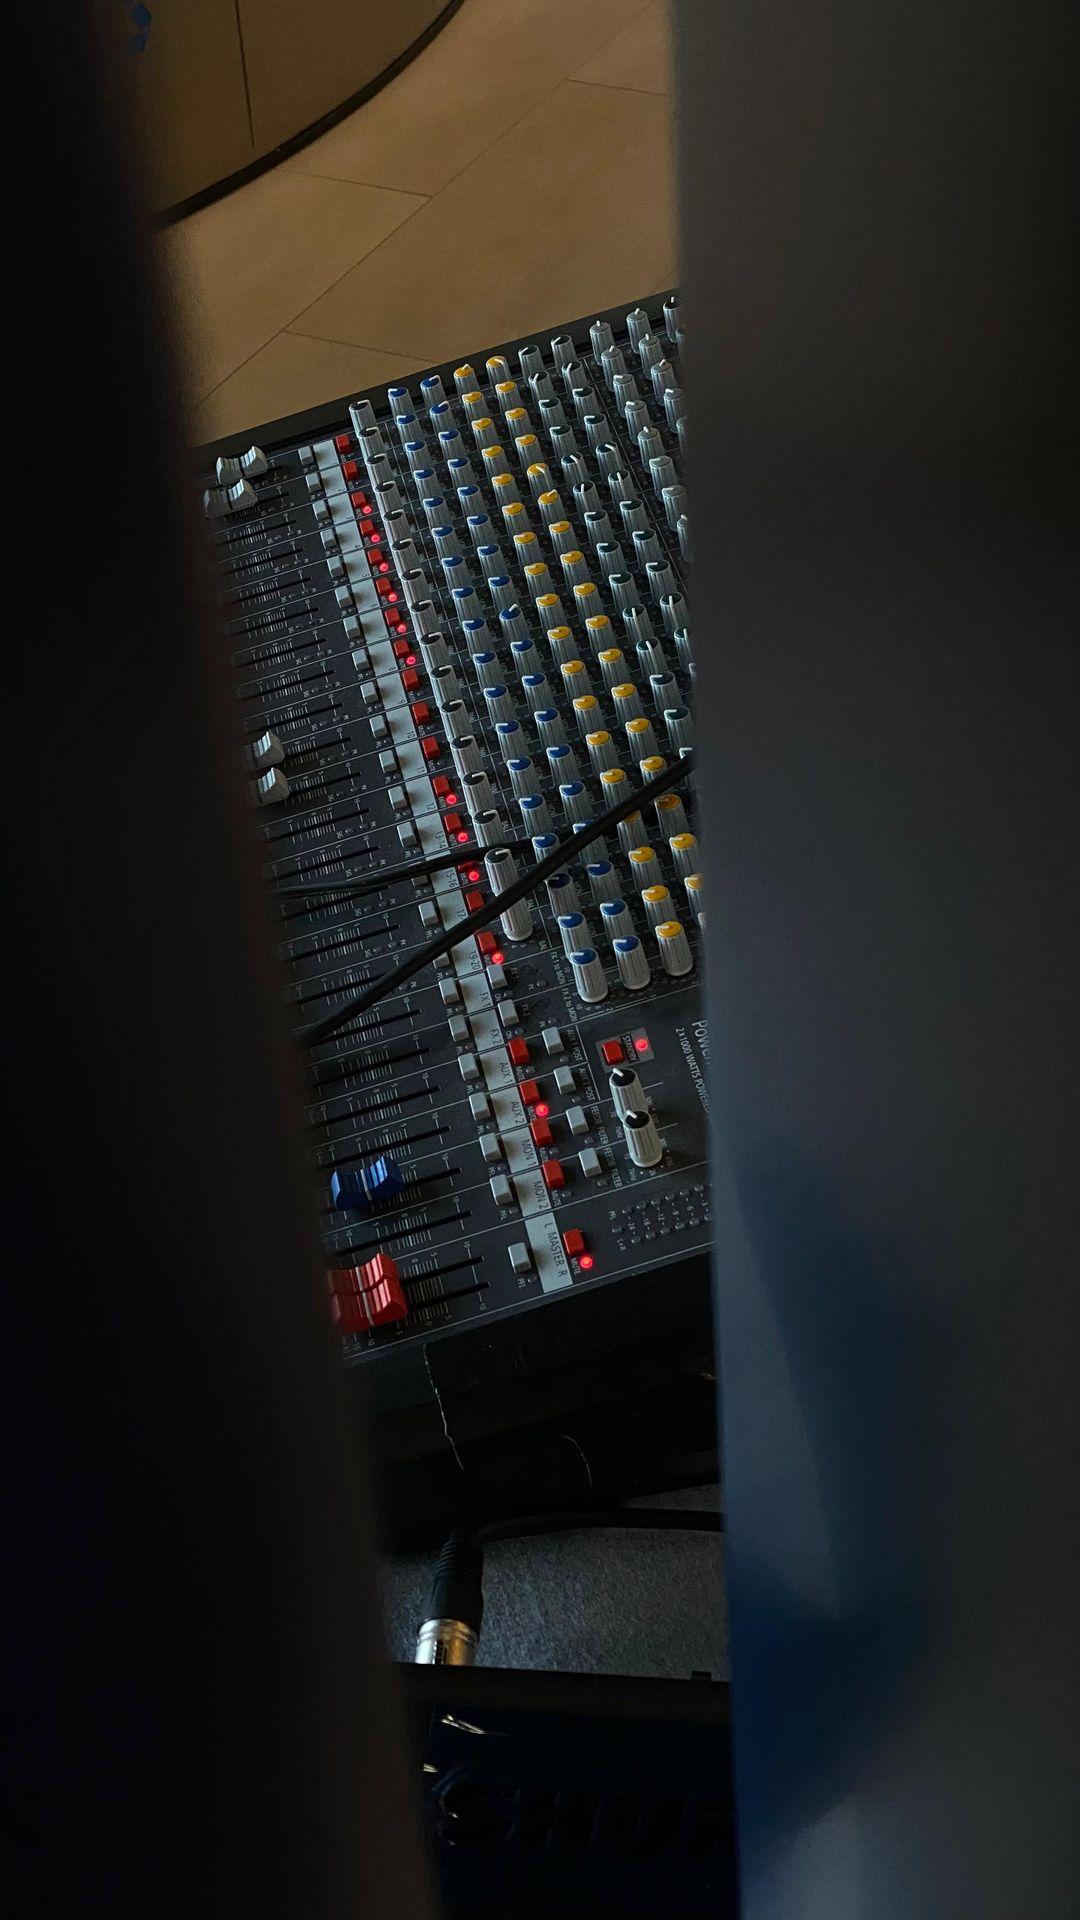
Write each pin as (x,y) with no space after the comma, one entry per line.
(579,1520)
(388,876)
(553,863)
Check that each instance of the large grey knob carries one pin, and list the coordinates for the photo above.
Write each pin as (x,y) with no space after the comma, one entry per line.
(627,1091)
(642,1139)
(590,978)
(675,954)
(466,755)
(516,922)
(680,728)
(445,685)
(476,789)
(616,919)
(633,963)
(638,325)
(573,931)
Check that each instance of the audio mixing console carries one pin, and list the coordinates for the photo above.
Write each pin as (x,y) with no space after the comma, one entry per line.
(457,620)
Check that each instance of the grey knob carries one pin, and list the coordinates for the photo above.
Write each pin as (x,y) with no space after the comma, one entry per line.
(489,828)
(643,1140)
(562,895)
(616,919)
(535,813)
(501,868)
(646,548)
(522,775)
(680,727)
(476,789)
(601,338)
(651,448)
(602,750)
(662,586)
(626,1089)
(603,881)
(664,474)
(633,963)
(657,903)
(638,325)
(675,954)
(674,406)
(673,609)
(445,685)
(573,931)
(466,755)
(673,320)
(684,852)
(590,979)
(683,531)
(550,727)
(575,801)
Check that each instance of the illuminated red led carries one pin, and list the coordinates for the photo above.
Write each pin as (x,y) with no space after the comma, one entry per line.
(463,837)
(374,539)
(451,798)
(586,1262)
(401,627)
(382,566)
(410,659)
(497,958)
(473,874)
(542,1109)
(641,1044)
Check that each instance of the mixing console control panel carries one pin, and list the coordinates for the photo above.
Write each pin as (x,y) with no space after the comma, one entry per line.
(459,628)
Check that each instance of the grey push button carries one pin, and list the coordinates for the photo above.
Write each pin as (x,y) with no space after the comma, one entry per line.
(450,993)
(496,978)
(429,914)
(509,1014)
(591,1163)
(577,1120)
(407,835)
(553,1043)
(480,1106)
(520,1258)
(377,727)
(397,797)
(501,1190)
(470,1068)
(369,693)
(564,1079)
(388,762)
(492,1149)
(459,1030)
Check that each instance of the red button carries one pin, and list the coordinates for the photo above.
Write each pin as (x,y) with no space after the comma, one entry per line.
(393,619)
(474,901)
(486,942)
(518,1053)
(410,679)
(343,441)
(362,504)
(421,713)
(440,786)
(574,1240)
(541,1132)
(554,1176)
(351,469)
(612,1051)
(529,1091)
(429,747)
(401,649)
(451,821)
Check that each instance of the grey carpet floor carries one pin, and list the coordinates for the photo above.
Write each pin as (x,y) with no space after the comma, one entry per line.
(597,1602)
